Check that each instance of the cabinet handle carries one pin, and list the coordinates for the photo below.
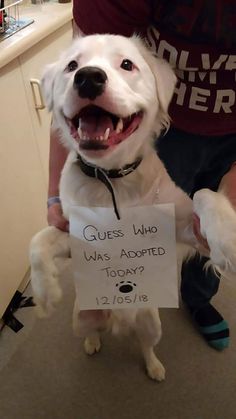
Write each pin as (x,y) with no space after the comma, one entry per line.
(38,98)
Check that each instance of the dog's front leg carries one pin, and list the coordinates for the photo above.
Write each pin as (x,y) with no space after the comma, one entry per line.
(89,324)
(44,248)
(218,227)
(148,330)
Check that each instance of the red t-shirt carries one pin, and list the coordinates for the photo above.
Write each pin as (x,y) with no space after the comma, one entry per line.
(197,37)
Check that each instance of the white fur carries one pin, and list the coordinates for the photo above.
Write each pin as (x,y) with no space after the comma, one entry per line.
(149,88)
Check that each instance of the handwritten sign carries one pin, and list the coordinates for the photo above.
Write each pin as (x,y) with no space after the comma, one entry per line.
(124,263)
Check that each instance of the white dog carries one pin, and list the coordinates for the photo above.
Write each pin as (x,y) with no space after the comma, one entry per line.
(109,98)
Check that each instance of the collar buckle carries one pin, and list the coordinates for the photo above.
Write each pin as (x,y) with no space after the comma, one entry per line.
(125,171)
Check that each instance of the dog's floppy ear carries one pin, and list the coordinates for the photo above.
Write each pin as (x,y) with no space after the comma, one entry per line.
(165,81)
(164,76)
(47,83)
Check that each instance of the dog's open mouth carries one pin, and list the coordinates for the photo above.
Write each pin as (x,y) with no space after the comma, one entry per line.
(98,129)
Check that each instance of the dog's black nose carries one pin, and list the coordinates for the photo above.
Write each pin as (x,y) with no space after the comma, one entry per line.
(90,82)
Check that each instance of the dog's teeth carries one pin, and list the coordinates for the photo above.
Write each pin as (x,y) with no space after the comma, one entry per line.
(80,133)
(101,138)
(106,134)
(119,126)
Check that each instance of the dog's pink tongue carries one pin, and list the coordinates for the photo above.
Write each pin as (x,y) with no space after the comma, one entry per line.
(94,126)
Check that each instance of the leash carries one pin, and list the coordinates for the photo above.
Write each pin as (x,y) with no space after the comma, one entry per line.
(105,175)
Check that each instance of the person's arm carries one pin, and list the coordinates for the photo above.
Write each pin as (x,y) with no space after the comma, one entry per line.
(57,158)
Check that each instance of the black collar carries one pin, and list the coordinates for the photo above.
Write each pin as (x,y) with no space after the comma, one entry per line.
(91,170)
(105,175)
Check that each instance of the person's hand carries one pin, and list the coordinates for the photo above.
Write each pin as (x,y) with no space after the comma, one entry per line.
(56,218)
(197,232)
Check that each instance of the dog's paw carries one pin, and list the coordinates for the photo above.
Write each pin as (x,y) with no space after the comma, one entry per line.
(218,227)
(92,344)
(156,370)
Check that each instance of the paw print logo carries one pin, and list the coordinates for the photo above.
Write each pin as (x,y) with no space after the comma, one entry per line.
(125,286)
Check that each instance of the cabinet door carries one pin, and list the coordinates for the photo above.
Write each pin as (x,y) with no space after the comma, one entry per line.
(22,188)
(33,62)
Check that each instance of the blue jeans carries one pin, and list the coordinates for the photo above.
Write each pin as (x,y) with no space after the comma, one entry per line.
(195,162)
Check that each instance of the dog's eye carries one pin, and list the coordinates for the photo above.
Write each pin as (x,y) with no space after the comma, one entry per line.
(72,66)
(127,65)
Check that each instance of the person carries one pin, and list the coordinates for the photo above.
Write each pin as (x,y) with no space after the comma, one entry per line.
(198,38)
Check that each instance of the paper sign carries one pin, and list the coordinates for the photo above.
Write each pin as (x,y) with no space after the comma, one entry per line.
(124,263)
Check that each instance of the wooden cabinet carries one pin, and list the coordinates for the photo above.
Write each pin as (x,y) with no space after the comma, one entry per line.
(24,145)
(32,64)
(22,189)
